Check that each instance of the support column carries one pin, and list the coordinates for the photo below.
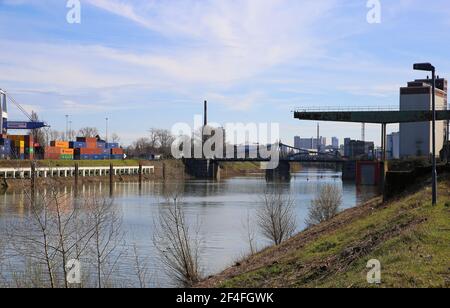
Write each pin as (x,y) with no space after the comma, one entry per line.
(111,180)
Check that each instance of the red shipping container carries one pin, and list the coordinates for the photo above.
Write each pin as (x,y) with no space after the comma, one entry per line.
(88,151)
(52,156)
(118,151)
(91,145)
(53,150)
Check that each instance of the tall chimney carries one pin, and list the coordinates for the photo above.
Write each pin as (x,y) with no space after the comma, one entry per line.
(205,122)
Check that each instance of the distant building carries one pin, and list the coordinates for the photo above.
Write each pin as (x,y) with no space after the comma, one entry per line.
(393,146)
(347,147)
(415,138)
(335,143)
(310,143)
(359,149)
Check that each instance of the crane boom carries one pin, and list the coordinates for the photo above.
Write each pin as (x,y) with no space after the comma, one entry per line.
(5,124)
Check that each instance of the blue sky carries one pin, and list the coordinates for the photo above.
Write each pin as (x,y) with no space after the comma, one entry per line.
(151,63)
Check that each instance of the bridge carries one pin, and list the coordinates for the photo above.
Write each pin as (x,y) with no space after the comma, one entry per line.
(285,153)
(209,167)
(370,115)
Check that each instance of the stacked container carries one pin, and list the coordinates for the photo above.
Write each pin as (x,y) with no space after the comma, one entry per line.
(5,148)
(22,146)
(84,149)
(59,150)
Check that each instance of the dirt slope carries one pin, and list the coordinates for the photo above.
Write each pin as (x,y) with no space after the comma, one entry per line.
(409,237)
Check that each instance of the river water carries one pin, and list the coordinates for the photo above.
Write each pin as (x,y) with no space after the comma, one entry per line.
(220,209)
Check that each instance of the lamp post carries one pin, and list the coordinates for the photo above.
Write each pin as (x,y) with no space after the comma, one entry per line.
(70,130)
(430,68)
(107,119)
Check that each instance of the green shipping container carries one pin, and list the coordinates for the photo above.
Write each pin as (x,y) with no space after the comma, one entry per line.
(66,157)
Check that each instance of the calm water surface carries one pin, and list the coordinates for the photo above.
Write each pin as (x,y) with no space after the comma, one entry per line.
(221,208)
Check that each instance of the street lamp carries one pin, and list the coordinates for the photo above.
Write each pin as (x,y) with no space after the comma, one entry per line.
(430,68)
(107,119)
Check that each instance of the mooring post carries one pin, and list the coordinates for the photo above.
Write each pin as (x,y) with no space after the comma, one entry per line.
(77,173)
(140,175)
(111,179)
(164,171)
(33,181)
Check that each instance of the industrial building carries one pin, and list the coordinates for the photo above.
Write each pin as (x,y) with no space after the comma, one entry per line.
(310,143)
(393,146)
(359,149)
(416,138)
(335,143)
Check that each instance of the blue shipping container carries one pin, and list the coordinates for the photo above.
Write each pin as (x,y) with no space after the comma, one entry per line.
(101,145)
(117,157)
(77,145)
(112,145)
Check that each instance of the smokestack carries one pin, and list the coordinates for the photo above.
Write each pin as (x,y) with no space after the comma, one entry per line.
(205,122)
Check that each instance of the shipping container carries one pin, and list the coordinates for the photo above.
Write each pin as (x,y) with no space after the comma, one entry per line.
(60,144)
(91,145)
(117,151)
(87,140)
(88,151)
(112,145)
(77,145)
(67,152)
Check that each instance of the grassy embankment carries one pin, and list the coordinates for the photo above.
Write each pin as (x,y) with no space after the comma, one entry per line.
(408,236)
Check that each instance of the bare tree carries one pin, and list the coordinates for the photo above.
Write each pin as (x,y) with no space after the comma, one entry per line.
(141,268)
(107,237)
(325,206)
(88,132)
(250,234)
(115,138)
(50,235)
(38,134)
(178,245)
(276,218)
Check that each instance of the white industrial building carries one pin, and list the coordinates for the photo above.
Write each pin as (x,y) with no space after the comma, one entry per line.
(416,138)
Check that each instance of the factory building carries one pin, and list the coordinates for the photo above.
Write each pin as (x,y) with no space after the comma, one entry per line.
(416,138)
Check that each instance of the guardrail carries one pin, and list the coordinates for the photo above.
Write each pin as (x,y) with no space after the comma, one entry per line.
(45,172)
(352,109)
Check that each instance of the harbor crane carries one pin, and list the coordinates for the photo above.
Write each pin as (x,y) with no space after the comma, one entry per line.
(6,125)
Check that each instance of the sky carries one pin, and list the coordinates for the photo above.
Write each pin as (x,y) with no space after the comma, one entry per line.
(152,63)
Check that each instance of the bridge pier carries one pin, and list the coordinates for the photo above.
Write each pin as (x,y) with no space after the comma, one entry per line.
(207,169)
(280,174)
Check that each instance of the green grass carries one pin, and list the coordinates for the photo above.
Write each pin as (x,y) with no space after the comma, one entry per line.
(410,238)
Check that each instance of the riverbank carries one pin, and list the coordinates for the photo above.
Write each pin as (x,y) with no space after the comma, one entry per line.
(407,235)
(164,170)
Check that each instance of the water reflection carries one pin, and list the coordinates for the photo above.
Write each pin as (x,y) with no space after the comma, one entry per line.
(220,207)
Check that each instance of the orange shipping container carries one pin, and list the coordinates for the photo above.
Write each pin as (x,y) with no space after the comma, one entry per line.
(60,144)
(67,151)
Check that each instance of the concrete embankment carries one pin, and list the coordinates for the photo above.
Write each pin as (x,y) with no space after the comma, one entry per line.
(161,170)
(165,170)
